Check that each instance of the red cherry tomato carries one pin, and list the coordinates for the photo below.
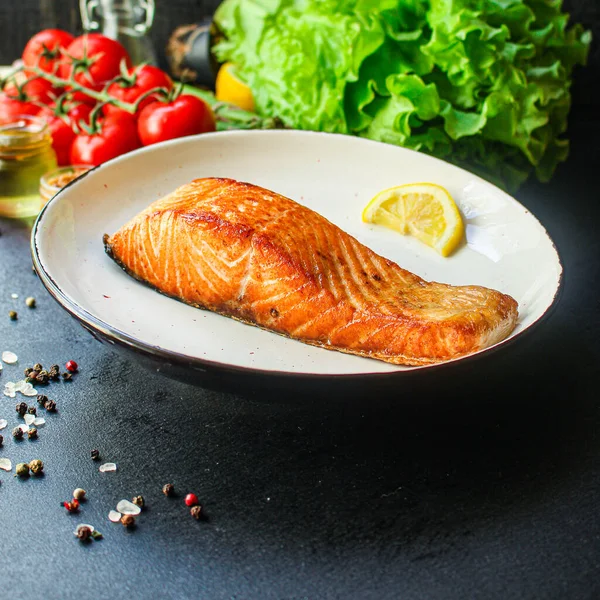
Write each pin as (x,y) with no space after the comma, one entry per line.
(10,108)
(36,90)
(118,135)
(64,127)
(44,49)
(187,115)
(147,78)
(103,57)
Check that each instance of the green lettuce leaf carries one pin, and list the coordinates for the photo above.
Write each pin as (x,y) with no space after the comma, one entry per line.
(482,83)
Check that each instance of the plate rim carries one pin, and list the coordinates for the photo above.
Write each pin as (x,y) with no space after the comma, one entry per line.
(115,335)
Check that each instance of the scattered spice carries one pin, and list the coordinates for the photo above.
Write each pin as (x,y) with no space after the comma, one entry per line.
(42,377)
(196,512)
(28,371)
(32,410)
(114,516)
(139,501)
(128,508)
(17,433)
(72,506)
(191,500)
(32,433)
(12,315)
(67,376)
(107,467)
(1,441)
(54,372)
(30,302)
(38,367)
(22,470)
(95,454)
(168,489)
(83,533)
(36,466)
(21,408)
(128,521)
(50,405)
(71,366)
(10,358)
(79,494)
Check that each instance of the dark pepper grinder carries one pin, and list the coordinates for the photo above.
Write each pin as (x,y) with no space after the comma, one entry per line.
(189,53)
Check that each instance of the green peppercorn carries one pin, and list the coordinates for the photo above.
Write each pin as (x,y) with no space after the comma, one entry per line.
(36,466)
(22,470)
(12,315)
(32,410)
(30,302)
(38,367)
(32,433)
(17,433)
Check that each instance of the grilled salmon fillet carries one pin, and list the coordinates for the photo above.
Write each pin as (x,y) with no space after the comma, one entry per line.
(246,252)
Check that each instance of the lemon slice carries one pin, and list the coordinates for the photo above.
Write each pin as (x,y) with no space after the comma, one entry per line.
(424,210)
(228,88)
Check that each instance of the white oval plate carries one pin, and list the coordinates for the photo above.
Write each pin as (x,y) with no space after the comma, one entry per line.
(506,247)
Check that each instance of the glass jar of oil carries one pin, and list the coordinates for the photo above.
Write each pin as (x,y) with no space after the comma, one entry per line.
(25,155)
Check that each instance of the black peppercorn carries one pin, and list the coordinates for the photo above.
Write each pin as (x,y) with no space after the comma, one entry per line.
(168,489)
(1,441)
(95,454)
(42,399)
(139,501)
(128,520)
(42,377)
(50,405)
(21,408)
(32,410)
(196,512)
(12,315)
(83,533)
(17,433)
(67,376)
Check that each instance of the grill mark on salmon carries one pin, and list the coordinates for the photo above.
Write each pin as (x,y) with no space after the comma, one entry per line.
(254,255)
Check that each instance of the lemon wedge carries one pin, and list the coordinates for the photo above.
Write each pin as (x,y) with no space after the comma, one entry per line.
(424,210)
(228,88)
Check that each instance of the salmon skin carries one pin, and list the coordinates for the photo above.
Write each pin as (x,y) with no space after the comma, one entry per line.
(249,253)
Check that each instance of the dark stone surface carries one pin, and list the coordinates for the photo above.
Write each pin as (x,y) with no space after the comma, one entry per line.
(484,483)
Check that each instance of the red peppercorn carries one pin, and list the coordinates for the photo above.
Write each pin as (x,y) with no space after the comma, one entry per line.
(191,500)
(71,366)
(72,506)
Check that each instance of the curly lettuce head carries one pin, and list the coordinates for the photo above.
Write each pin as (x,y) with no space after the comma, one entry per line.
(481,83)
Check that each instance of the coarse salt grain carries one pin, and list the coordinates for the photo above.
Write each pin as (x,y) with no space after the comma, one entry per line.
(24,428)
(5,464)
(10,358)
(29,419)
(14,296)
(3,423)
(107,467)
(128,508)
(114,516)
(39,421)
